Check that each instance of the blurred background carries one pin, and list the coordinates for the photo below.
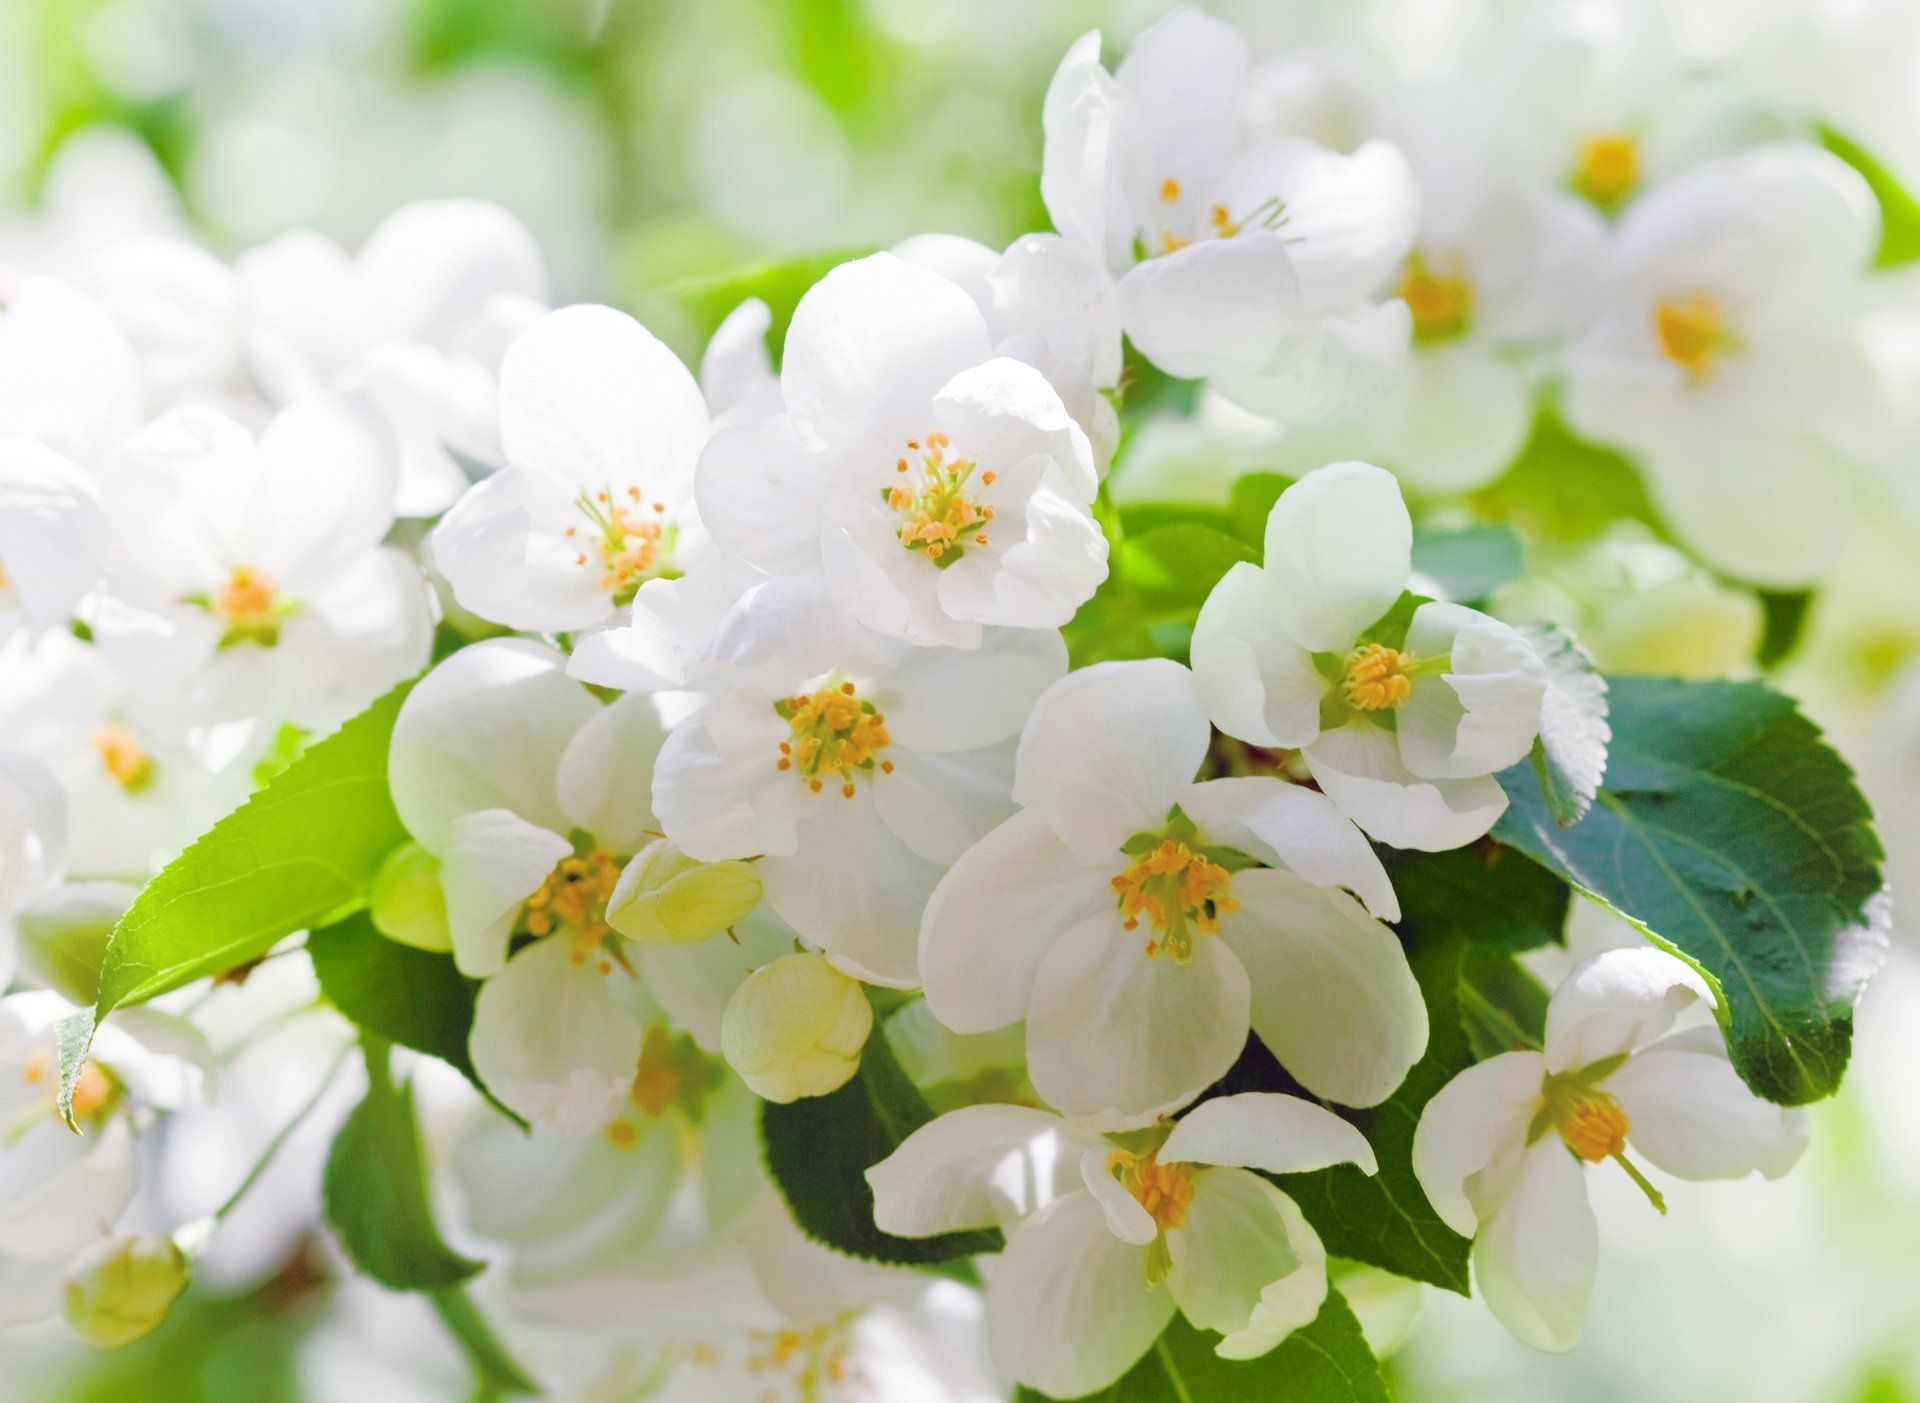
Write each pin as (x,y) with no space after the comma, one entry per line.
(647,141)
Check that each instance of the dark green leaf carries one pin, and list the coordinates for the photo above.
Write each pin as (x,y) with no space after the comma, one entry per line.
(1484,894)
(1469,565)
(1325,1361)
(1735,837)
(375,1190)
(496,1375)
(1570,754)
(1899,214)
(818,1150)
(1786,616)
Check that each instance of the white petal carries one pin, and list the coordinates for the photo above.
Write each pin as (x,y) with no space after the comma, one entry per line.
(736,370)
(1245,1263)
(1127,1219)
(1091,137)
(1350,219)
(939,699)
(941,805)
(692,983)
(67,375)
(977,1167)
(1258,684)
(869,347)
(1455,419)
(1535,1256)
(1002,413)
(1108,750)
(1339,551)
(716,789)
(1333,998)
(485,730)
(1617,1001)
(1288,825)
(1033,581)
(1266,1130)
(1216,306)
(1484,1110)
(759,491)
(53,534)
(1359,767)
(1483,713)
(487,549)
(591,398)
(1067,1313)
(551,1042)
(1185,72)
(1116,1037)
(605,780)
(431,265)
(490,862)
(993,918)
(1691,1115)
(328,488)
(1331,370)
(69,1207)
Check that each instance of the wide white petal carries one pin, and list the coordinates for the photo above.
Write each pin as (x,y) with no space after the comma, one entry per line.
(978,1167)
(993,918)
(716,789)
(940,700)
(67,375)
(1486,1109)
(1289,825)
(1483,713)
(1067,1313)
(1455,419)
(1127,1218)
(1245,1263)
(1535,1256)
(1108,750)
(1339,550)
(605,780)
(1617,1001)
(1690,1114)
(486,549)
(1269,1131)
(485,730)
(1258,684)
(327,488)
(941,805)
(550,1040)
(1116,1037)
(1359,767)
(759,490)
(1217,306)
(1093,141)
(1333,998)
(69,1207)
(491,861)
(430,266)
(53,534)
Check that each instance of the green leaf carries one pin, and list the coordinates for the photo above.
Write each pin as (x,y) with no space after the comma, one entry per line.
(375,1190)
(1469,565)
(1563,489)
(819,1148)
(411,997)
(1484,895)
(1570,755)
(297,854)
(496,1375)
(1733,836)
(1324,1361)
(1178,565)
(1899,213)
(1786,624)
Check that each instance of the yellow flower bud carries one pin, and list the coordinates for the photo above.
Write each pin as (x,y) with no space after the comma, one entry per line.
(795,1028)
(122,1288)
(407,904)
(666,897)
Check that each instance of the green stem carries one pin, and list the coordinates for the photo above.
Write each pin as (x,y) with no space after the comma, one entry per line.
(275,1145)
(1654,1195)
(1172,1370)
(1496,1019)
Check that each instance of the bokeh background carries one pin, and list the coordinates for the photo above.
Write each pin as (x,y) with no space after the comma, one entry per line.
(647,141)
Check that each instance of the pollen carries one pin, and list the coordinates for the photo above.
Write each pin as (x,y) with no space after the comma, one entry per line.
(940,513)
(1169,190)
(1692,333)
(632,542)
(1441,303)
(834,735)
(572,901)
(1608,170)
(249,602)
(1593,1127)
(673,1074)
(1164,1190)
(1178,891)
(124,758)
(1377,678)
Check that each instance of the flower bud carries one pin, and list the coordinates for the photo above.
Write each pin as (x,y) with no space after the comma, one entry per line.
(121,1289)
(666,897)
(795,1028)
(407,904)
(64,934)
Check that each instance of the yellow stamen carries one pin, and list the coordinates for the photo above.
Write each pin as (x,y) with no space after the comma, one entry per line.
(1692,333)
(1169,190)
(673,1074)
(934,505)
(125,759)
(249,601)
(1377,678)
(1609,169)
(1593,1126)
(1442,304)
(632,544)
(573,902)
(1178,891)
(834,733)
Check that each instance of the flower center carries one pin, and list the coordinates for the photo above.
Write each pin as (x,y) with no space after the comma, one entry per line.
(1588,1120)
(1442,304)
(628,540)
(124,758)
(1377,678)
(673,1074)
(95,1092)
(249,603)
(1179,891)
(1608,170)
(834,733)
(1692,333)
(936,514)
(1164,1190)
(573,902)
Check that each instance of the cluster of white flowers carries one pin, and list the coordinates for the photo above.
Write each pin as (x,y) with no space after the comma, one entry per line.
(751,712)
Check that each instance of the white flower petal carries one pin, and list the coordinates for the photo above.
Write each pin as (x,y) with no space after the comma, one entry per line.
(53,534)
(1333,998)
(1691,1115)
(1266,1130)
(1455,419)
(1292,826)
(1617,1001)
(605,779)
(1067,1314)
(1108,750)
(1486,1109)
(1339,550)
(430,266)
(941,805)
(66,1210)
(1216,306)
(491,861)
(1258,684)
(485,549)
(1245,1263)
(978,1167)
(940,700)
(1483,713)
(550,1040)
(759,492)
(1116,1037)
(1127,1219)
(1535,1255)
(1093,143)
(1359,767)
